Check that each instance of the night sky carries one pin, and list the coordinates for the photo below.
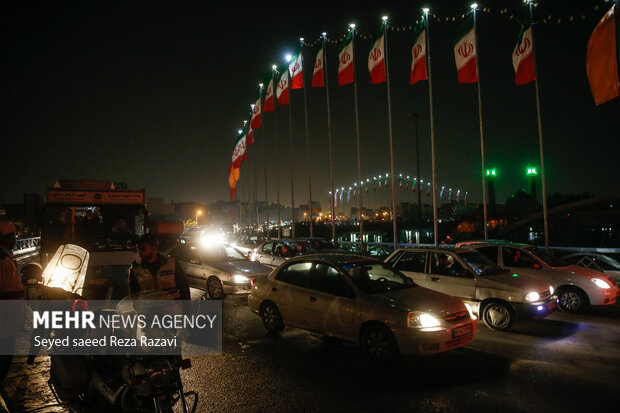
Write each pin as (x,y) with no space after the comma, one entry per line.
(153,93)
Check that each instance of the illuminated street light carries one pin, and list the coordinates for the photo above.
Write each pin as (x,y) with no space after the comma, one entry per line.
(531,171)
(474,6)
(426,10)
(260,85)
(352,25)
(240,131)
(384,18)
(324,34)
(274,67)
(491,173)
(198,212)
(288,57)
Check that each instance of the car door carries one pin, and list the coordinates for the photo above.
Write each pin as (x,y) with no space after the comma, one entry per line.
(413,265)
(290,291)
(329,304)
(279,254)
(192,266)
(264,253)
(449,276)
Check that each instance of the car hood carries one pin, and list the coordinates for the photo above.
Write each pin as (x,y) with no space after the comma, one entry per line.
(243,267)
(521,281)
(420,299)
(575,269)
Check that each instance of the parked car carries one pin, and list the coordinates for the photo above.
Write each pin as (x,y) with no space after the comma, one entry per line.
(495,294)
(276,252)
(576,287)
(218,269)
(378,251)
(361,300)
(246,244)
(596,261)
(321,245)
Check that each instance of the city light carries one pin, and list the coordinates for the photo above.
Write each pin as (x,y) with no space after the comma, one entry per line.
(274,67)
(260,85)
(288,57)
(324,34)
(531,171)
(384,18)
(352,25)
(491,172)
(474,6)
(425,10)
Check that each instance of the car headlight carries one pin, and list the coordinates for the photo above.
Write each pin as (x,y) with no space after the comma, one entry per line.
(423,320)
(600,283)
(240,279)
(551,290)
(471,312)
(532,296)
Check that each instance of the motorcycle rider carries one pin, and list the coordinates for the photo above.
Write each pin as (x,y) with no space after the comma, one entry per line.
(153,270)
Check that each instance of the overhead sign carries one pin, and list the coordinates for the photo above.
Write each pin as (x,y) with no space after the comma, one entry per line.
(60,196)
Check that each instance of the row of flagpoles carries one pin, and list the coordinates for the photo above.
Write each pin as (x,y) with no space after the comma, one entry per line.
(291,77)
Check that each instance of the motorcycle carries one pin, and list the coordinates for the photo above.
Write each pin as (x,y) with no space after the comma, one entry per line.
(133,383)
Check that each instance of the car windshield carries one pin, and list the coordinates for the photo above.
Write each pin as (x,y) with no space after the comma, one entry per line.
(547,257)
(214,253)
(480,263)
(374,277)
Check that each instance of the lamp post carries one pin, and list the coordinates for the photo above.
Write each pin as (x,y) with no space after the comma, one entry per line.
(198,213)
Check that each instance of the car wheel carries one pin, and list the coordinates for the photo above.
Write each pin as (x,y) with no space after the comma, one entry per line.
(571,300)
(215,288)
(498,316)
(272,320)
(378,343)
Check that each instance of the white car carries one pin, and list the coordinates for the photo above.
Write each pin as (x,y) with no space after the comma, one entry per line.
(576,287)
(496,295)
(361,300)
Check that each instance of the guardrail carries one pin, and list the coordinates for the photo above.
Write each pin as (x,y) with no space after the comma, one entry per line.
(26,245)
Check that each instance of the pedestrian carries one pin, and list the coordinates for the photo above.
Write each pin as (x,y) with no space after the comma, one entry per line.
(153,270)
(11,288)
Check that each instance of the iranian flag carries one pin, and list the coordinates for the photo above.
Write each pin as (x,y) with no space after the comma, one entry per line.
(418,55)
(250,136)
(523,59)
(256,115)
(376,61)
(465,51)
(239,151)
(233,177)
(601,60)
(345,61)
(268,103)
(318,79)
(296,70)
(282,89)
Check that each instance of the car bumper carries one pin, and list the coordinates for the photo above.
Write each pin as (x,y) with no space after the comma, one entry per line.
(607,296)
(417,342)
(540,309)
(234,288)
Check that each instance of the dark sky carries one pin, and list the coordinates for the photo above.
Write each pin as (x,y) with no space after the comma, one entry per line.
(152,93)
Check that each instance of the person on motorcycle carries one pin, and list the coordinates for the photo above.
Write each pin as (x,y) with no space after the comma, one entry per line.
(153,270)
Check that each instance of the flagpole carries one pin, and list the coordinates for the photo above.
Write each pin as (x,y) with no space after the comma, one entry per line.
(290,156)
(484,181)
(275,113)
(329,139)
(540,136)
(266,182)
(307,149)
(430,99)
(357,134)
(392,176)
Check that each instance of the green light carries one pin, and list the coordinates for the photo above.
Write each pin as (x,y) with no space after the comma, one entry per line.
(531,171)
(515,275)
(491,172)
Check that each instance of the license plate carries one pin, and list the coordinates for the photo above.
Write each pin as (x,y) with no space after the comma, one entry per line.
(461,331)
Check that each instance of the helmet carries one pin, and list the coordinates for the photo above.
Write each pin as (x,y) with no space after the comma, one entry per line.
(32,274)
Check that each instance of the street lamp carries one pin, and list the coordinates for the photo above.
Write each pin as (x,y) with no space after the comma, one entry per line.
(198,212)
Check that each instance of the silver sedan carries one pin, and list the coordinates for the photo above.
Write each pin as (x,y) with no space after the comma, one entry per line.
(364,301)
(218,269)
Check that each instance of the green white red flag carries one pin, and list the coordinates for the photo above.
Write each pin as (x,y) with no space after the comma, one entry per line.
(345,61)
(601,60)
(318,77)
(256,114)
(268,103)
(296,70)
(465,51)
(250,139)
(376,60)
(239,151)
(523,58)
(418,54)
(282,88)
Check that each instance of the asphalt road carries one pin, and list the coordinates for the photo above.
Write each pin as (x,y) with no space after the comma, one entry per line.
(562,363)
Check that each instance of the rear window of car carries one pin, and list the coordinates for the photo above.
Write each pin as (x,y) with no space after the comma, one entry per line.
(295,274)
